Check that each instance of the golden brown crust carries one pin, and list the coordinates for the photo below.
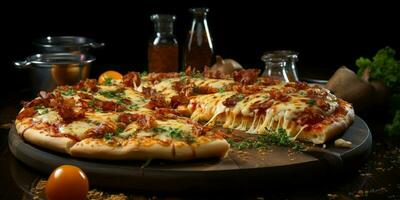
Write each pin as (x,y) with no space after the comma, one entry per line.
(43,139)
(330,131)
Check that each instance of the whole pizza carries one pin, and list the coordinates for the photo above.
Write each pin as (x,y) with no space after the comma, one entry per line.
(177,116)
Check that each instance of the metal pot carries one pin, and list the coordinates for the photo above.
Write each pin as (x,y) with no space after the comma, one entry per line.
(66,44)
(50,70)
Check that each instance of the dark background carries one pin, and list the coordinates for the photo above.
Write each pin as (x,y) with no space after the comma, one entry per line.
(326,34)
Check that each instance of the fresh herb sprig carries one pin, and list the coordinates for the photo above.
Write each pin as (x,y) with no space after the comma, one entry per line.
(279,138)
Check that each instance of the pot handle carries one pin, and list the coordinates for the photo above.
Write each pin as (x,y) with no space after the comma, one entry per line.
(22,64)
(96,45)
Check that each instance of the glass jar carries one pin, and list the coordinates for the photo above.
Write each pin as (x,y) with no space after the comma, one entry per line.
(281,65)
(199,48)
(163,47)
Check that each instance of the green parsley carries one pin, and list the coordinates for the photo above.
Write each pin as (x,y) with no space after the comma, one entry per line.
(111,94)
(119,130)
(279,138)
(108,81)
(91,103)
(133,107)
(221,90)
(98,110)
(311,102)
(41,109)
(383,66)
(108,136)
(173,132)
(144,73)
(69,92)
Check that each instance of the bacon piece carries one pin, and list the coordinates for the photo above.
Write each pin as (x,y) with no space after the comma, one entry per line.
(85,96)
(267,81)
(323,104)
(232,101)
(261,107)
(144,121)
(130,79)
(178,100)
(89,85)
(205,90)
(246,76)
(198,129)
(100,130)
(208,73)
(309,116)
(158,76)
(157,101)
(27,112)
(68,114)
(279,95)
(246,89)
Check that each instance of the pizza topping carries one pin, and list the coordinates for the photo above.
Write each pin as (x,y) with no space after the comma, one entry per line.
(247,89)
(279,95)
(131,79)
(100,130)
(179,100)
(233,100)
(309,116)
(157,101)
(204,89)
(41,109)
(208,73)
(261,107)
(144,121)
(27,112)
(246,76)
(68,114)
(158,76)
(89,85)
(268,81)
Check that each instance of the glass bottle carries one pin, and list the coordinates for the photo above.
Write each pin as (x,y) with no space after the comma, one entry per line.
(199,48)
(163,47)
(281,65)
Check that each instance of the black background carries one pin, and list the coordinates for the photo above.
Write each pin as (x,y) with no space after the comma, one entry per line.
(326,34)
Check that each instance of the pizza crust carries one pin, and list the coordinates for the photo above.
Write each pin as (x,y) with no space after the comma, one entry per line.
(330,131)
(40,138)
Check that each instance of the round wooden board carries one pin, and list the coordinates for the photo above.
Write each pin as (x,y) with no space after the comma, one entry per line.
(243,169)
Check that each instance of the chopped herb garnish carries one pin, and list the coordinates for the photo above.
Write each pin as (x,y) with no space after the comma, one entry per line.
(221,90)
(173,132)
(108,136)
(279,137)
(119,130)
(69,92)
(41,109)
(98,110)
(133,107)
(91,103)
(144,73)
(302,93)
(108,81)
(311,102)
(111,94)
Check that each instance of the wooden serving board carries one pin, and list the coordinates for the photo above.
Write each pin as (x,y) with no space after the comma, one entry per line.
(250,168)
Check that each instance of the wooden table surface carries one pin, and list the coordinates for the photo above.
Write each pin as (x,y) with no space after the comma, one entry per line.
(378,178)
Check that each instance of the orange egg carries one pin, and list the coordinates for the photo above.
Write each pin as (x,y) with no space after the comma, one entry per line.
(109,75)
(67,182)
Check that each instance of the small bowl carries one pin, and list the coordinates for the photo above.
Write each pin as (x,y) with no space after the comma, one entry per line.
(50,70)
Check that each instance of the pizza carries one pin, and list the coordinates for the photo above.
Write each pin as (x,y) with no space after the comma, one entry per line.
(177,116)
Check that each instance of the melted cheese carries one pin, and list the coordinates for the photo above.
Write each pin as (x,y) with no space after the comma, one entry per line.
(51,117)
(77,128)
